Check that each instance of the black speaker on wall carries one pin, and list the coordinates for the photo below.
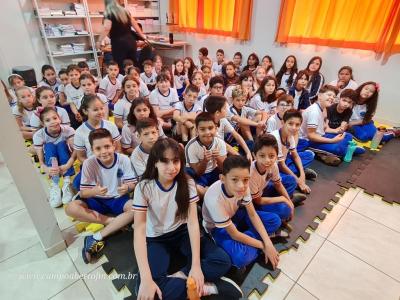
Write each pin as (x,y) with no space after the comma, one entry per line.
(28,73)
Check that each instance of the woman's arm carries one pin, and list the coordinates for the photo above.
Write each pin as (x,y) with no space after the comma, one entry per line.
(104,32)
(137,28)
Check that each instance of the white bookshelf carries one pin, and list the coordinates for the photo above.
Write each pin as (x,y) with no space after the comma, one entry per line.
(147,12)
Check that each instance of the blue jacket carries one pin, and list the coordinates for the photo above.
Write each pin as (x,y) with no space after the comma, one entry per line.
(304,100)
(316,83)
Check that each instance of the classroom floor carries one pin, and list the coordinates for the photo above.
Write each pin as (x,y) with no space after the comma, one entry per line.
(354,254)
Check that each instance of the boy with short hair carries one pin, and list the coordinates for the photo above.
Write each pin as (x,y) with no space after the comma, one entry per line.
(203,53)
(328,146)
(206,152)
(110,85)
(237,61)
(163,99)
(230,217)
(217,65)
(218,107)
(206,76)
(291,162)
(147,131)
(127,64)
(74,94)
(185,113)
(284,103)
(339,114)
(216,88)
(148,76)
(107,179)
(84,67)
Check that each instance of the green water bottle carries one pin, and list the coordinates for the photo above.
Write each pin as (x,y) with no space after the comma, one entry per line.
(350,150)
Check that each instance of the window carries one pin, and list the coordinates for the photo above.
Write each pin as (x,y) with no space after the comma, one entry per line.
(221,17)
(359,24)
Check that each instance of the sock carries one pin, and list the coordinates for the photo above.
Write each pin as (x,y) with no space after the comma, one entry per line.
(97,236)
(209,289)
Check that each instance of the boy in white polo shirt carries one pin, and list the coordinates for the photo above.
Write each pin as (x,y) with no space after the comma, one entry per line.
(227,206)
(218,107)
(110,85)
(206,152)
(329,146)
(107,179)
(147,131)
(275,122)
(291,162)
(163,98)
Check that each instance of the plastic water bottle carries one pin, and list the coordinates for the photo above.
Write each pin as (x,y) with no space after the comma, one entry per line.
(350,150)
(54,164)
(376,140)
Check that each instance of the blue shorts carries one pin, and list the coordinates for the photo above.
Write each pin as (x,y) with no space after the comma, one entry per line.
(204,180)
(105,206)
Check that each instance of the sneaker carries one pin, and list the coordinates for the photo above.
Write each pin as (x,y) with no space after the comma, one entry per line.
(55,196)
(298,198)
(310,174)
(330,160)
(228,289)
(67,194)
(91,247)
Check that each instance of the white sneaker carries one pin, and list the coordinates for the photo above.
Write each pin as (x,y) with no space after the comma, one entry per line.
(55,196)
(66,193)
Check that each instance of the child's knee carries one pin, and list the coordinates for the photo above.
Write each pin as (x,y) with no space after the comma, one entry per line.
(243,258)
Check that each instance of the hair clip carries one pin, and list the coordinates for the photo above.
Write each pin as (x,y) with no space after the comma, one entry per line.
(377,86)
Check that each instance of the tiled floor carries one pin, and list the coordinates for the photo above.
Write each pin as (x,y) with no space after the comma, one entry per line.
(354,254)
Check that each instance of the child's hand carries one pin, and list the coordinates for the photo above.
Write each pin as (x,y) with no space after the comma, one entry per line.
(148,289)
(198,277)
(338,138)
(100,190)
(261,125)
(215,153)
(249,157)
(63,169)
(207,154)
(123,189)
(271,254)
(304,187)
(78,117)
(52,171)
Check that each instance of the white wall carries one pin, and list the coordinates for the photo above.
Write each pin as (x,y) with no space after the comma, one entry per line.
(21,43)
(264,24)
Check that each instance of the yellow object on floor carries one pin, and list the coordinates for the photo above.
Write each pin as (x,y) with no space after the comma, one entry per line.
(84,226)
(368,144)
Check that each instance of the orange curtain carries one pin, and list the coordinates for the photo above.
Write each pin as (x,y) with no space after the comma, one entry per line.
(221,17)
(360,24)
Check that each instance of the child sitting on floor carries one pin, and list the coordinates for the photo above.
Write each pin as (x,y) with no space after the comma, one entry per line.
(186,112)
(338,114)
(52,144)
(329,146)
(291,162)
(130,88)
(23,111)
(147,132)
(110,85)
(149,75)
(106,182)
(299,91)
(275,122)
(230,217)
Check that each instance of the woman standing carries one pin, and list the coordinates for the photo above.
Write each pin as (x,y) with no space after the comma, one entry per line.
(118,25)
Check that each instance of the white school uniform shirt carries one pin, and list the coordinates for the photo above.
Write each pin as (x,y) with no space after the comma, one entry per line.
(129,136)
(202,100)
(219,207)
(159,204)
(54,87)
(228,93)
(120,77)
(258,181)
(121,109)
(313,117)
(351,85)
(224,127)
(179,81)
(35,121)
(246,112)
(257,103)
(74,95)
(358,112)
(274,123)
(203,92)
(164,102)
(42,136)
(180,106)
(194,152)
(149,79)
(139,159)
(296,99)
(25,115)
(284,84)
(81,139)
(284,149)
(109,88)
(94,172)
(14,99)
(217,68)
(143,89)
